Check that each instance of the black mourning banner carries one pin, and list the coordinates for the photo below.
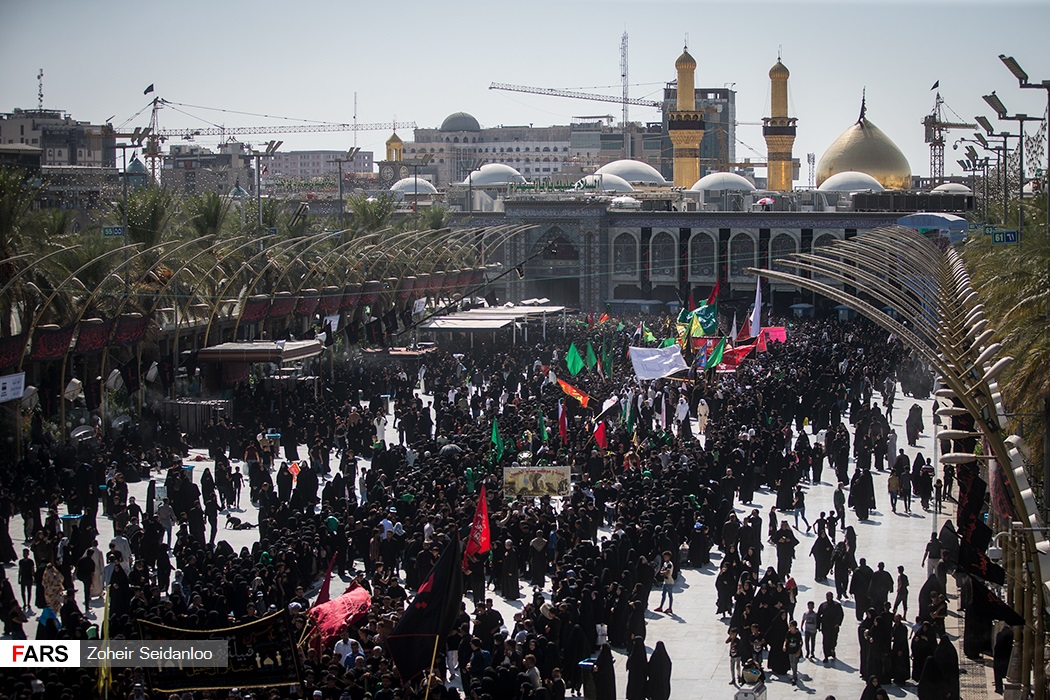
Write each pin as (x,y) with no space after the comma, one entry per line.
(262,655)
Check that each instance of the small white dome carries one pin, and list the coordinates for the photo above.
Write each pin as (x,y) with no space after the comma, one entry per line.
(633,171)
(851,181)
(412,186)
(605,182)
(953,188)
(494,175)
(722,181)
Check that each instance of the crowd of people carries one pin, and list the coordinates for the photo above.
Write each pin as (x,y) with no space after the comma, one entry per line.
(381,468)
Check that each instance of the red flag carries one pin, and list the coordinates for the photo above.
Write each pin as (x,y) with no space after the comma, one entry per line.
(604,317)
(714,293)
(760,345)
(745,331)
(575,393)
(590,319)
(563,421)
(731,359)
(331,618)
(692,300)
(599,435)
(480,539)
(326,588)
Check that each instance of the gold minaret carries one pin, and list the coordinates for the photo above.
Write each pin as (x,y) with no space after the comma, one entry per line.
(394,146)
(779,132)
(685,125)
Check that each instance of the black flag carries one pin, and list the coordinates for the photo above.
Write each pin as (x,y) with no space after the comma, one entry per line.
(429,618)
(148,90)
(994,605)
(936,85)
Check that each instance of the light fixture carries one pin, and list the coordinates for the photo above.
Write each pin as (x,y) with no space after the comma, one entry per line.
(987,354)
(985,124)
(996,104)
(994,371)
(1014,68)
(977,328)
(951,412)
(956,434)
(971,153)
(945,393)
(962,457)
(980,138)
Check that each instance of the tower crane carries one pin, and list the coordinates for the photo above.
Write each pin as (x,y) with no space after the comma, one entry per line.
(935,128)
(655,104)
(152,137)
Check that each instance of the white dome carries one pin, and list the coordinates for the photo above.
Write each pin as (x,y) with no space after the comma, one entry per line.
(722,181)
(851,181)
(493,175)
(633,171)
(412,186)
(605,182)
(953,188)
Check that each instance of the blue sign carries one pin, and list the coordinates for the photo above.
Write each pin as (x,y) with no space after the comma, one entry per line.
(112,231)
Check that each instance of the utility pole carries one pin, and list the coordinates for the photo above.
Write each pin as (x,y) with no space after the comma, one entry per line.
(271,149)
(348,158)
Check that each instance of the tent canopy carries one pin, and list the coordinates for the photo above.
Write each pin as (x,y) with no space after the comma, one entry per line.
(278,352)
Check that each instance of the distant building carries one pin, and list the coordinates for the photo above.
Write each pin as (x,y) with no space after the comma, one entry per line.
(61,139)
(193,169)
(313,164)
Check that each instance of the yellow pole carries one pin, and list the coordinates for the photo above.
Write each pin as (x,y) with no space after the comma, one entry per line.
(433,660)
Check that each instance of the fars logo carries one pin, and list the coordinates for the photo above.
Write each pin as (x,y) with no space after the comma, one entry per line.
(21,653)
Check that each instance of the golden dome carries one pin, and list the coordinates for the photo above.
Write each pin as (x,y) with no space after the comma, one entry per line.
(779,71)
(866,149)
(394,138)
(685,62)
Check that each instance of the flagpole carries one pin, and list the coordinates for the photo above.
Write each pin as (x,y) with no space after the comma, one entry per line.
(433,660)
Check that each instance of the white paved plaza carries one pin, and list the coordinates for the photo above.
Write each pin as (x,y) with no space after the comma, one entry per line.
(695,636)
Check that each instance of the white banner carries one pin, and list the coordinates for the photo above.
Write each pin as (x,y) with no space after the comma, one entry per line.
(12,386)
(654,363)
(420,306)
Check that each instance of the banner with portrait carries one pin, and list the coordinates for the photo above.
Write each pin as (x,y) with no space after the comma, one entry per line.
(262,655)
(535,482)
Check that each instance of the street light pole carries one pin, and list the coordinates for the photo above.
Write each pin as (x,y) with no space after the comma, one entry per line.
(1023,82)
(995,103)
(349,157)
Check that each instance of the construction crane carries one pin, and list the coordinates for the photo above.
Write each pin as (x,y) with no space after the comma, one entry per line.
(935,128)
(625,85)
(154,136)
(554,92)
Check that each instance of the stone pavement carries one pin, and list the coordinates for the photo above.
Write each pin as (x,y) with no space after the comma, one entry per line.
(694,636)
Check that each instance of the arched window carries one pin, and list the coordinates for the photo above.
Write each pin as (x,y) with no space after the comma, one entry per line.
(741,254)
(702,255)
(782,246)
(455,140)
(625,255)
(823,239)
(662,255)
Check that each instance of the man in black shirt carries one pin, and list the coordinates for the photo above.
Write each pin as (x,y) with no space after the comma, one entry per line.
(829,619)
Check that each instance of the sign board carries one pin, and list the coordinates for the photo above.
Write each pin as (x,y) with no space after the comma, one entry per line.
(12,386)
(534,482)
(1004,237)
(989,229)
(112,231)
(273,230)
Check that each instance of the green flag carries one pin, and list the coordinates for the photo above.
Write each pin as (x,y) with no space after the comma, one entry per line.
(619,326)
(542,423)
(685,316)
(573,360)
(716,355)
(497,441)
(708,318)
(667,342)
(592,359)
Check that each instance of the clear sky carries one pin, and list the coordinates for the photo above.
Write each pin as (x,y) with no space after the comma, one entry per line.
(419,61)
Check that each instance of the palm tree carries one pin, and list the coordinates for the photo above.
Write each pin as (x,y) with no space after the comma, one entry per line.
(17,246)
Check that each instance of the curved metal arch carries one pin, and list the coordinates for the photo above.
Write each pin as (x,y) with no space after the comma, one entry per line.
(47,302)
(236,275)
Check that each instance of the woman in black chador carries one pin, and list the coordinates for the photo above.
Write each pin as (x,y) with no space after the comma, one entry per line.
(509,586)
